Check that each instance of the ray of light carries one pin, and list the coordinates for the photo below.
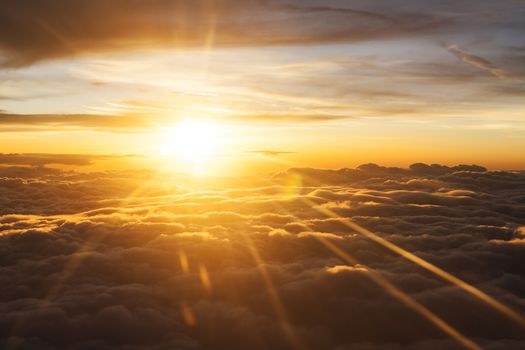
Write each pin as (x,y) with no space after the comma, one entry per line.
(497,305)
(507,311)
(183,260)
(48,28)
(187,314)
(275,299)
(71,265)
(403,297)
(209,40)
(205,278)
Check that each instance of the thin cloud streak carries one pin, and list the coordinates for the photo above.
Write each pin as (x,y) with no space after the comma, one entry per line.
(477,61)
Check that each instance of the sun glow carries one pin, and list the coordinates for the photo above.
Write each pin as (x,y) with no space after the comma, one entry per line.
(192,142)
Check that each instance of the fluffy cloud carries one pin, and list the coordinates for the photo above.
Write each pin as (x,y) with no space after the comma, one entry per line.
(120,260)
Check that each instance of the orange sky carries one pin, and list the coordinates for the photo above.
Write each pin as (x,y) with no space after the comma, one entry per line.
(319,87)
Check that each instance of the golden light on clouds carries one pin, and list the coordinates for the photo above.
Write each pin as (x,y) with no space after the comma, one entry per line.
(262,175)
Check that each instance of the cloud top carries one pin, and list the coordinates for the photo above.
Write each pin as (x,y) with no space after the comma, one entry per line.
(135,260)
(43,30)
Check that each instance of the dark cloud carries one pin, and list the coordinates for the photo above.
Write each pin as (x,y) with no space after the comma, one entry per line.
(131,260)
(315,84)
(38,30)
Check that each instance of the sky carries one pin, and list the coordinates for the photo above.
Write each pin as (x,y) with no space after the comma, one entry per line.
(262,175)
(272,83)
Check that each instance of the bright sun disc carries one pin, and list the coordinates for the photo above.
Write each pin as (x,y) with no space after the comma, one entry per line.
(191,140)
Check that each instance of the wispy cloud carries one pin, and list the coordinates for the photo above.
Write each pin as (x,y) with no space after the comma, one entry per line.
(134,123)
(270,153)
(477,61)
(39,30)
(43,159)
(39,122)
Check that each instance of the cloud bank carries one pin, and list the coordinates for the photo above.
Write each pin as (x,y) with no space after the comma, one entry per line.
(130,66)
(40,30)
(136,260)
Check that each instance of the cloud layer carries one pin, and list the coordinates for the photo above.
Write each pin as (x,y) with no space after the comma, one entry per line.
(37,30)
(136,260)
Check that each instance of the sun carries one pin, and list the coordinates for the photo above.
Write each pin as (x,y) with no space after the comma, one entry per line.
(193,142)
